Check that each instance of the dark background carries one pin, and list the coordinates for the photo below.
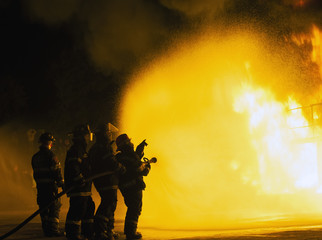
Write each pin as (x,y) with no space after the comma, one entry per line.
(48,78)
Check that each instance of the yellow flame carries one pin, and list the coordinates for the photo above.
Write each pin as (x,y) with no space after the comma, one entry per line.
(285,165)
(227,148)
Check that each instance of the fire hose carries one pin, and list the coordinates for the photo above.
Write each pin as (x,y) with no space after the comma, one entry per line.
(48,205)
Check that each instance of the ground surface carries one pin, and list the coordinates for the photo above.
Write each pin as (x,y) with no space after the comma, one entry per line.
(32,231)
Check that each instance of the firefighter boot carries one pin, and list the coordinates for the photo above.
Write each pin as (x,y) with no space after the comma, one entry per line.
(133,236)
(105,236)
(115,234)
(52,230)
(130,227)
(73,232)
(44,227)
(87,229)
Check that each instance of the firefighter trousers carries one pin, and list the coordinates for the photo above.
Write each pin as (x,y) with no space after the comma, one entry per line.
(133,201)
(50,216)
(80,217)
(104,217)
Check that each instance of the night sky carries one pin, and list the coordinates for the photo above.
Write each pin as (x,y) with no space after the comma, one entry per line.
(65,62)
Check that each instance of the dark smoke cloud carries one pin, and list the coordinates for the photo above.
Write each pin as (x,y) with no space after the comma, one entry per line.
(51,12)
(122,31)
(118,36)
(115,33)
(299,17)
(194,8)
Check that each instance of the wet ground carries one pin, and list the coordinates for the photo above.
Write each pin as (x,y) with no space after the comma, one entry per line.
(298,231)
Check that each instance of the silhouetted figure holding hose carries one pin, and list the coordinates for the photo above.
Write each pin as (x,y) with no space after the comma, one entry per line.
(102,160)
(48,177)
(79,220)
(131,182)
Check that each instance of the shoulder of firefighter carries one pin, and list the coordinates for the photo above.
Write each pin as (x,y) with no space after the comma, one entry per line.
(133,175)
(47,168)
(74,166)
(77,169)
(102,158)
(129,161)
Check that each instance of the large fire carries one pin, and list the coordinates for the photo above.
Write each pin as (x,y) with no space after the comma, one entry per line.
(229,150)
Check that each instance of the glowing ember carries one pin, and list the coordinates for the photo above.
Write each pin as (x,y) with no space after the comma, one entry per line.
(227,149)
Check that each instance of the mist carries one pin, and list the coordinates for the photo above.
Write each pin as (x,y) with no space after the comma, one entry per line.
(18,188)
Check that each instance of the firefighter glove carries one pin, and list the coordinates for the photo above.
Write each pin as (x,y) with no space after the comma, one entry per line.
(140,147)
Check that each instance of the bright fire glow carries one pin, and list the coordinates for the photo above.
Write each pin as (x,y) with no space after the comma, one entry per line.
(274,133)
(227,149)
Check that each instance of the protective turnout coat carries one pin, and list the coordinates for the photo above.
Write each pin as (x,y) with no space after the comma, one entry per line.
(102,160)
(135,170)
(77,169)
(46,169)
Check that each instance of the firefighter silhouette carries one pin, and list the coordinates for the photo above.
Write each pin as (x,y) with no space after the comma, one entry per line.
(48,177)
(102,159)
(79,220)
(131,182)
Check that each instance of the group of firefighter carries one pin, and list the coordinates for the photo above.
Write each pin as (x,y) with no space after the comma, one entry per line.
(100,165)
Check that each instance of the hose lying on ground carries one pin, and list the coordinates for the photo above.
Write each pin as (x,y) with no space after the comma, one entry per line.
(44,208)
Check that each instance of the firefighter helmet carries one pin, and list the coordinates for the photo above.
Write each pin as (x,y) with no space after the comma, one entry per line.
(121,140)
(106,127)
(102,129)
(105,132)
(102,133)
(81,130)
(46,137)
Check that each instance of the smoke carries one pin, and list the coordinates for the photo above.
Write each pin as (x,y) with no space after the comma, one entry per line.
(51,12)
(194,8)
(17,184)
(119,35)
(116,34)
(18,143)
(121,32)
